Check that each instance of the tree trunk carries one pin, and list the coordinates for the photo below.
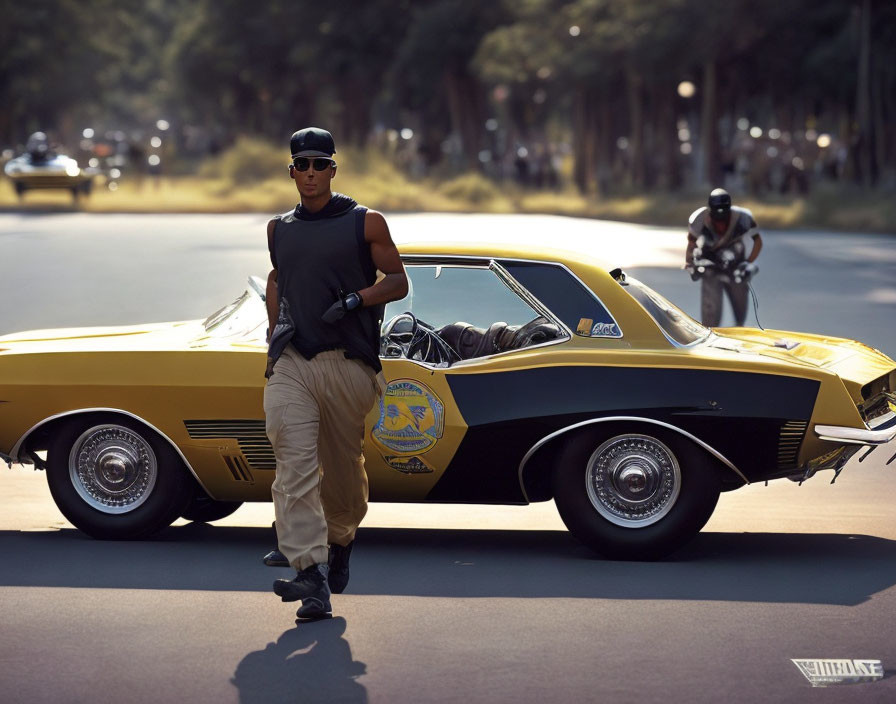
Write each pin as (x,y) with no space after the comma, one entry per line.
(595,100)
(708,170)
(605,144)
(473,118)
(888,99)
(879,125)
(634,84)
(355,114)
(579,129)
(665,129)
(865,139)
(463,107)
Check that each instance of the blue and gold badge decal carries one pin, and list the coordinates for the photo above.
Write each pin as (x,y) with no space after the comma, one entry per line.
(411,420)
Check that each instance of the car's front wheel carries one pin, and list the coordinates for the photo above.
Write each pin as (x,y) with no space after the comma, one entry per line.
(114,478)
(634,496)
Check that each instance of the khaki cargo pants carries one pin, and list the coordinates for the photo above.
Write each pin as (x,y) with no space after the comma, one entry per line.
(314,417)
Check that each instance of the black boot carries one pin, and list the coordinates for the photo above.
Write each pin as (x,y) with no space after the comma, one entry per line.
(313,609)
(275,558)
(339,556)
(309,582)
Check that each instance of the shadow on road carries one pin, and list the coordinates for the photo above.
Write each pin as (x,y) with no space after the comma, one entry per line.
(311,662)
(750,567)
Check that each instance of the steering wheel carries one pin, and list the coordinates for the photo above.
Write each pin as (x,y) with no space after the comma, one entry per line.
(407,336)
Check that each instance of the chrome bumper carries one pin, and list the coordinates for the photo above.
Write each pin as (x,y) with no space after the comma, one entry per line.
(878,432)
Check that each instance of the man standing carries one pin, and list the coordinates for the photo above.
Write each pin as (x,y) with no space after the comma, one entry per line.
(716,253)
(325,307)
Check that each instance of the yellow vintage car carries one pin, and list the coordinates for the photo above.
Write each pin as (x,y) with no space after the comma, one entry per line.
(514,375)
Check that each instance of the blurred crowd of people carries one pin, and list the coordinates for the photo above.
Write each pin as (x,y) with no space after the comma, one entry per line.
(754,161)
(776,161)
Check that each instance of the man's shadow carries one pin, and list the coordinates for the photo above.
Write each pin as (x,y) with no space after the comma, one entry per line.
(311,662)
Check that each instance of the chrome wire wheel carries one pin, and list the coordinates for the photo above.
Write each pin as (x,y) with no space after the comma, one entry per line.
(113,468)
(633,480)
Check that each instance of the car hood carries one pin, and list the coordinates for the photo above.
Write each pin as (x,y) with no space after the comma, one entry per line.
(239,325)
(151,336)
(852,361)
(175,336)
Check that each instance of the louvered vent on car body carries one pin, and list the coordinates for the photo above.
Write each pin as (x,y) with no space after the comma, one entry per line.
(790,438)
(238,468)
(250,434)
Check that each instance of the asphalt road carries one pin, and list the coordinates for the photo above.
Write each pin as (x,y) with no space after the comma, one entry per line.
(446,603)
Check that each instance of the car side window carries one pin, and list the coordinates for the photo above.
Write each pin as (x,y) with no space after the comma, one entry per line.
(566,297)
(439,295)
(469,308)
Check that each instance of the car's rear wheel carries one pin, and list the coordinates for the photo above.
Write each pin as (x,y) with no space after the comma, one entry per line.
(114,478)
(203,508)
(634,496)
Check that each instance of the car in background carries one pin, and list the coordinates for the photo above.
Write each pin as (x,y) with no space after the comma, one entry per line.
(41,168)
(514,375)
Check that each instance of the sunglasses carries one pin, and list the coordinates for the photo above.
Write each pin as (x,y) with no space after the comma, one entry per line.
(303,163)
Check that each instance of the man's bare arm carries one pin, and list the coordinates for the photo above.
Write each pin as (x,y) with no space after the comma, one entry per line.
(270,292)
(689,252)
(270,301)
(394,285)
(757,247)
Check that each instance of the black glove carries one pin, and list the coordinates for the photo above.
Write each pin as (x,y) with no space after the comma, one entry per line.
(697,268)
(279,337)
(342,306)
(745,271)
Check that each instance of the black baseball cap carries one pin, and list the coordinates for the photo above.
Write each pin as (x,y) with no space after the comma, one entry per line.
(312,141)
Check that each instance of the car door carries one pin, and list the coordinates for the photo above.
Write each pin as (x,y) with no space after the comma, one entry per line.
(414,432)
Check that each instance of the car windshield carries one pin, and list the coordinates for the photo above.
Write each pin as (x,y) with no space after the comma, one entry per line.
(245,317)
(677,324)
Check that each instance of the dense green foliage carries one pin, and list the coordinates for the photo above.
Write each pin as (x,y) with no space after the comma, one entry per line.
(480,84)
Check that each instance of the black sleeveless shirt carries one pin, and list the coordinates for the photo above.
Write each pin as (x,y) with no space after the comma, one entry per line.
(319,256)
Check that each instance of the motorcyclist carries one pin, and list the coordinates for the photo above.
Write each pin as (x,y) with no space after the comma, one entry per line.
(716,255)
(38,148)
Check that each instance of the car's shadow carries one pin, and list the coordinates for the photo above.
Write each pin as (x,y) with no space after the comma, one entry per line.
(764,567)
